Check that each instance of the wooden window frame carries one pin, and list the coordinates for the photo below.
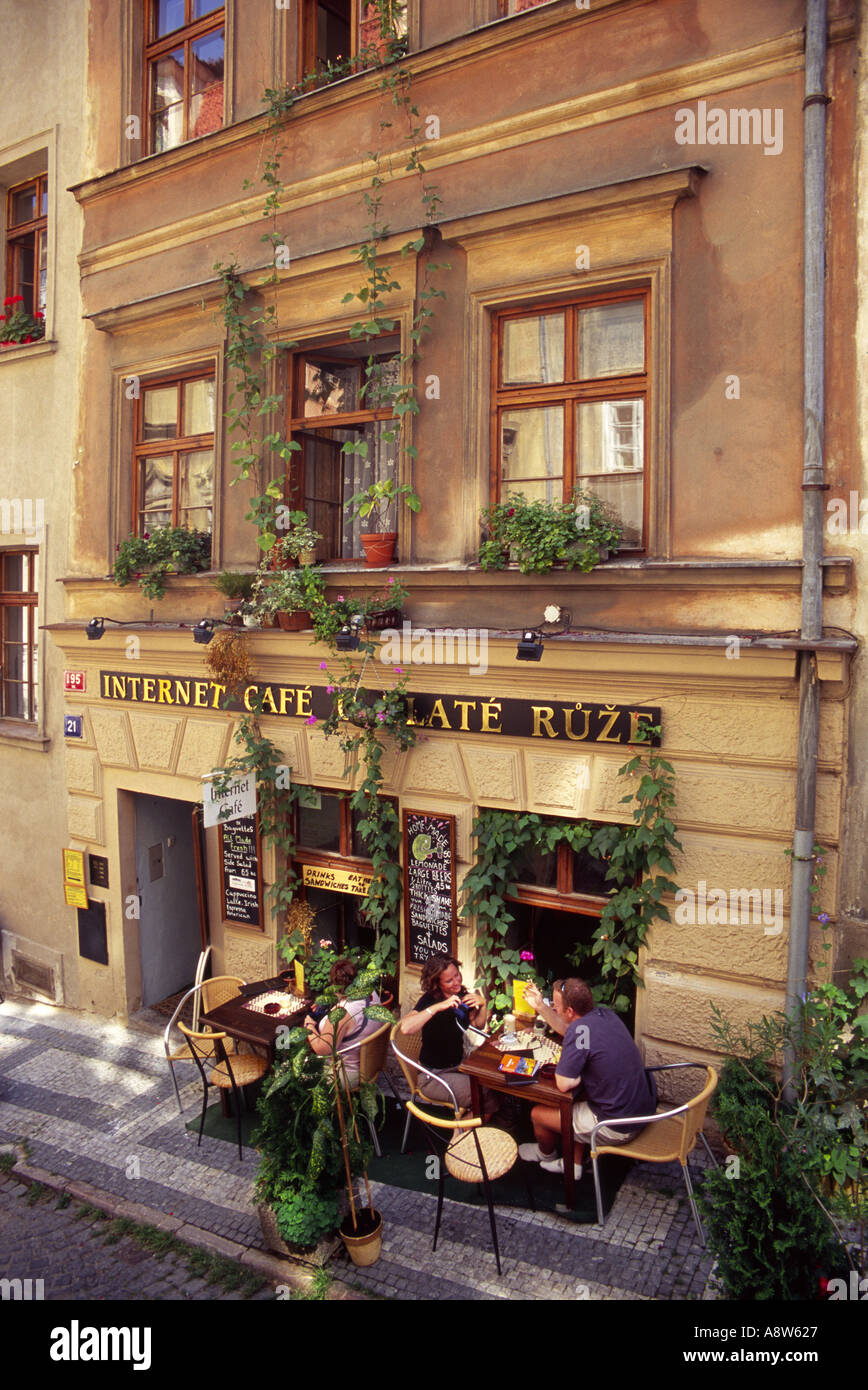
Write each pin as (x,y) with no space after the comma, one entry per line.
(176,446)
(185,37)
(561,898)
(28,600)
(299,427)
(341,858)
(19,233)
(572,390)
(503,8)
(307,33)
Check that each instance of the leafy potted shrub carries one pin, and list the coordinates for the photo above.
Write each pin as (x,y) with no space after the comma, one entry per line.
(236,586)
(16,325)
(289,596)
(384,608)
(297,545)
(372,504)
(309,1141)
(154,555)
(537,534)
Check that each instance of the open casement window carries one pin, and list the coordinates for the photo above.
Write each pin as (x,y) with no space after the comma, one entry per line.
(27,243)
(185,52)
(18,634)
(557,900)
(328,840)
(173,470)
(336,31)
(570,405)
(336,400)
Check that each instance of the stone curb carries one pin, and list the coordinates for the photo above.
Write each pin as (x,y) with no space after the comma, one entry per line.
(274,1269)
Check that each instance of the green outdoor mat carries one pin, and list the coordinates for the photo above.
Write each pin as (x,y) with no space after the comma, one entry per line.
(413,1171)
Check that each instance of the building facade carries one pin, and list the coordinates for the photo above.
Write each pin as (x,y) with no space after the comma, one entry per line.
(42,124)
(619,246)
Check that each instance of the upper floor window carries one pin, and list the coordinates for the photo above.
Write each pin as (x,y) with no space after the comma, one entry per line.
(337,31)
(336,400)
(571,389)
(18,635)
(27,249)
(185,50)
(173,471)
(519,6)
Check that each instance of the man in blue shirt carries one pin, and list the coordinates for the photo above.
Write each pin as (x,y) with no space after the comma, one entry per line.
(599,1052)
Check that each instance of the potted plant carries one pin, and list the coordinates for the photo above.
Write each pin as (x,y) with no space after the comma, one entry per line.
(235,585)
(372,504)
(289,596)
(16,325)
(297,545)
(537,534)
(158,553)
(384,608)
(309,1141)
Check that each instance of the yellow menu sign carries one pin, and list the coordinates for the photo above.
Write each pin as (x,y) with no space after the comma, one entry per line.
(338,880)
(75,896)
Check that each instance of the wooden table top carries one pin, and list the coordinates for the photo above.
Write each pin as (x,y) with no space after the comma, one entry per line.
(249,1025)
(484,1064)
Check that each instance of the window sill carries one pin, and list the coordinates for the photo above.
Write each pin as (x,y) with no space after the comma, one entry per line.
(12,352)
(20,735)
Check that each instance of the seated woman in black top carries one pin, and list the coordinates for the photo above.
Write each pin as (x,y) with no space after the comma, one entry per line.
(444,999)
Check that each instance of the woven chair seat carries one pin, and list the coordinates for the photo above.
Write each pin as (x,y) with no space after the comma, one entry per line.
(246,1067)
(499,1150)
(658,1143)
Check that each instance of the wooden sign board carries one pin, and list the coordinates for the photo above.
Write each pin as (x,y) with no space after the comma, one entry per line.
(429,887)
(240,872)
(336,880)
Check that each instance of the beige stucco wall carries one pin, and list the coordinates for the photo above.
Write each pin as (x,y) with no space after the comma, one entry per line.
(42,101)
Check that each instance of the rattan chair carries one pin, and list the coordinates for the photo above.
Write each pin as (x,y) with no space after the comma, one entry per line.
(181,1053)
(408,1060)
(475,1153)
(220,990)
(666,1137)
(372,1059)
(226,1074)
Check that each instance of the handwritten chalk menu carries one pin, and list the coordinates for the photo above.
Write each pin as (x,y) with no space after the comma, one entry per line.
(429,886)
(239,865)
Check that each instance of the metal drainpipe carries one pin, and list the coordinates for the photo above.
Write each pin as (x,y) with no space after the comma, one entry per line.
(813,509)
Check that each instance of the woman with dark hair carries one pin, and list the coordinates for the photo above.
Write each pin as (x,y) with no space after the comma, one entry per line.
(353,1027)
(444,1003)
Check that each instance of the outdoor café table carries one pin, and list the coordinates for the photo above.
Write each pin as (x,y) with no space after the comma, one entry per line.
(482,1066)
(251,1026)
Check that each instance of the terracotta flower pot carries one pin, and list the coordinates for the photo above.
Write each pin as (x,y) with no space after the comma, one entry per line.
(379,547)
(294,622)
(364,1244)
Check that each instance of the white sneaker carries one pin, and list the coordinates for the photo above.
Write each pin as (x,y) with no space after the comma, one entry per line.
(532,1153)
(556,1165)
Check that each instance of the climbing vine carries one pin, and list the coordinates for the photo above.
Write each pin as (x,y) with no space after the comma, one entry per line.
(363,720)
(639,859)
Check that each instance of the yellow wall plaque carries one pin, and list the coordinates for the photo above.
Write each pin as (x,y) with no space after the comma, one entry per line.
(73,866)
(75,895)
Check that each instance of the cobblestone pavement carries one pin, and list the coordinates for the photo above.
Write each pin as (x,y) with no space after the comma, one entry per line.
(63,1246)
(94,1102)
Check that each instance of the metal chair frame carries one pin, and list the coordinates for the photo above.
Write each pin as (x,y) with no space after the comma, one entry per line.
(171,1057)
(410,1065)
(366,1073)
(459,1121)
(209,1047)
(644,1121)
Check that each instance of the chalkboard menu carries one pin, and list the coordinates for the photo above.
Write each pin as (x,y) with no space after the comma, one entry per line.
(429,886)
(239,867)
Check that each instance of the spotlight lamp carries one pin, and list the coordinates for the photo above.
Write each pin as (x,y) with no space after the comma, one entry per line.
(530,646)
(95,629)
(203,631)
(347,639)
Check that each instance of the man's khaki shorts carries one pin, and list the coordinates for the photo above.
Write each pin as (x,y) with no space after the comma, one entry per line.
(584,1120)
